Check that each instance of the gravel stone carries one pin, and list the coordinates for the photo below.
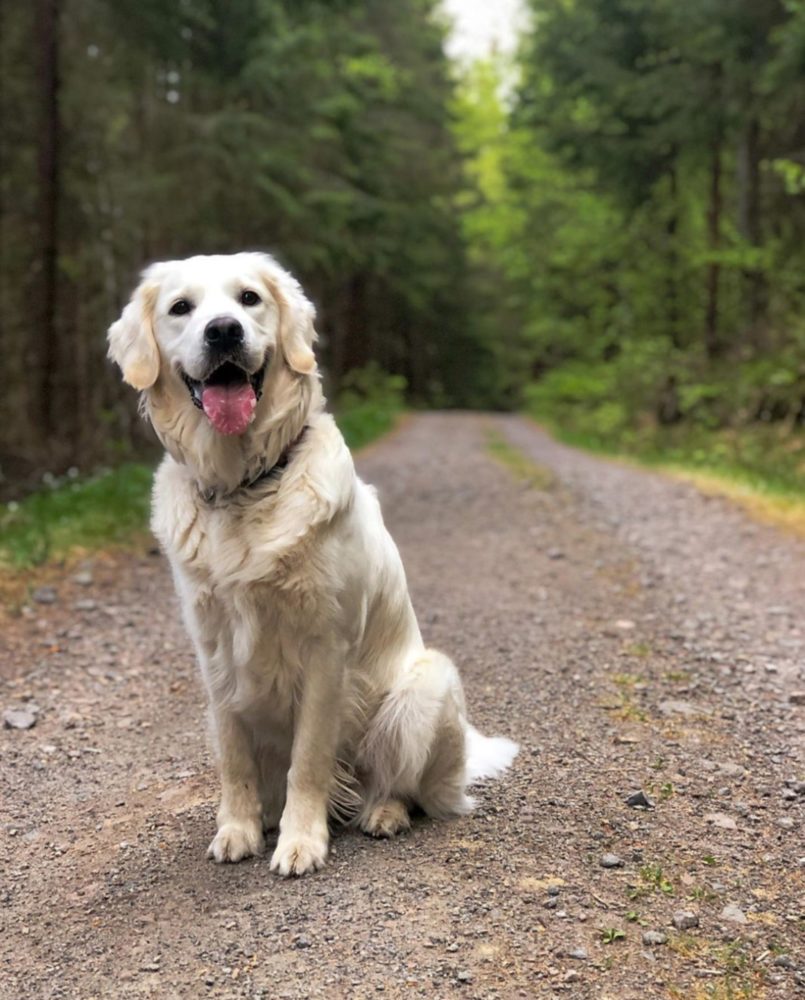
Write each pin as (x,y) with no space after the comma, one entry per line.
(611,861)
(639,800)
(654,937)
(18,718)
(578,953)
(685,920)
(734,914)
(45,595)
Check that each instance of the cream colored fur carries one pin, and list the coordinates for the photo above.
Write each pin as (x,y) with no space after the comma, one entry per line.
(323,698)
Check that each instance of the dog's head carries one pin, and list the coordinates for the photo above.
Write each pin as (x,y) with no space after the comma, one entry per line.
(207,331)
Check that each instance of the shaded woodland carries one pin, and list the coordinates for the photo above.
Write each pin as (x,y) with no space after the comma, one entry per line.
(608,233)
(136,131)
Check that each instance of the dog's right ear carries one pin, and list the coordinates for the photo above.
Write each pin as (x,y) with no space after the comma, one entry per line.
(132,344)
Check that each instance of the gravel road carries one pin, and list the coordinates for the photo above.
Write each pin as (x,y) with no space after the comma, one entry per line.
(631,634)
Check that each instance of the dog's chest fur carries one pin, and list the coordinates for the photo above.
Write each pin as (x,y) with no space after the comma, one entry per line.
(256,583)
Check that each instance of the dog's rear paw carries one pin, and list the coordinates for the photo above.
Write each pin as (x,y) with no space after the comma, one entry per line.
(386,819)
(297,854)
(235,841)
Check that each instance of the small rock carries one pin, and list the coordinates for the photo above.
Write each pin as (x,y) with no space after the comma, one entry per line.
(722,821)
(578,953)
(18,718)
(797,697)
(684,920)
(555,554)
(673,707)
(611,861)
(733,913)
(463,976)
(654,937)
(784,962)
(87,604)
(624,624)
(639,800)
(83,579)
(45,595)
(786,823)
(302,942)
(571,977)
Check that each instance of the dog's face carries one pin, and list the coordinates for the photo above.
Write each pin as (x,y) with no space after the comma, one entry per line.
(215,325)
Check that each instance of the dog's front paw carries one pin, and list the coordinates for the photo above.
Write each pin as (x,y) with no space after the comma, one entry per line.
(297,854)
(235,841)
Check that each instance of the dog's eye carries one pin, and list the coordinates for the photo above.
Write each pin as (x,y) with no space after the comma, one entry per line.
(249,298)
(180,307)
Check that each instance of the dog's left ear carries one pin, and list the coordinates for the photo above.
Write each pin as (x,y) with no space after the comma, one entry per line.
(132,344)
(297,313)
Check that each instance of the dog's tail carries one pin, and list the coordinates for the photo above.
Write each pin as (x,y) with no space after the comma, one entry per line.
(420,745)
(487,756)
(401,735)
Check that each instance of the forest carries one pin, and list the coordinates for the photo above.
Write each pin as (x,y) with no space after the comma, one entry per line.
(605,232)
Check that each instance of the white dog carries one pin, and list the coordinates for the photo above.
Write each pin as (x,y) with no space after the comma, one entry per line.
(324,699)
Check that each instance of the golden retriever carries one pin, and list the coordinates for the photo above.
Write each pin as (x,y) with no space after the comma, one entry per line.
(323,698)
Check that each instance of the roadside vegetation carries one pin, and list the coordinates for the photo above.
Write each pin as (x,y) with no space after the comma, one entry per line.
(72,515)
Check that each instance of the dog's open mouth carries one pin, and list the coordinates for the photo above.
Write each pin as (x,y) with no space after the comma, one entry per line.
(228,396)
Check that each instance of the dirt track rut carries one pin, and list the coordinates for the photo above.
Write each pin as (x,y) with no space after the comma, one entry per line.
(628,632)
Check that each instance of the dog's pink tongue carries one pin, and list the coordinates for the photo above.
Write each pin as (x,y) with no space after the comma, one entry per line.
(230,408)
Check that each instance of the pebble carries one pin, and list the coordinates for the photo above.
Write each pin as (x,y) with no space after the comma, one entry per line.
(463,976)
(87,604)
(18,718)
(639,800)
(785,823)
(684,920)
(578,953)
(555,554)
(654,937)
(797,697)
(611,861)
(784,962)
(721,820)
(83,579)
(45,595)
(733,913)
(673,707)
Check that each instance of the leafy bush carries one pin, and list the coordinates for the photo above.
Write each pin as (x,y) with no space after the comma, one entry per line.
(369,403)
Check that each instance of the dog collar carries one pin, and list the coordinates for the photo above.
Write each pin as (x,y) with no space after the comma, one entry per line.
(275,470)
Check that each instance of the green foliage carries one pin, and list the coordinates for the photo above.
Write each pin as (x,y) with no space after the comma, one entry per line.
(107,509)
(369,404)
(635,218)
(320,131)
(111,508)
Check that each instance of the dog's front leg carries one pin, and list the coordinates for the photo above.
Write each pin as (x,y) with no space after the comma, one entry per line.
(240,825)
(304,837)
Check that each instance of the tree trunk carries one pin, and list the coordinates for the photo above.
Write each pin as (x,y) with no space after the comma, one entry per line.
(45,334)
(671,285)
(749,225)
(713,343)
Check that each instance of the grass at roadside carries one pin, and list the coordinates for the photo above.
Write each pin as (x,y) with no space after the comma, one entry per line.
(110,508)
(521,467)
(761,468)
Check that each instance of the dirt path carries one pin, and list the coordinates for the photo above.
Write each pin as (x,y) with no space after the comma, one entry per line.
(630,633)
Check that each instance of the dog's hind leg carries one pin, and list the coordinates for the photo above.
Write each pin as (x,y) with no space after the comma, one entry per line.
(385,819)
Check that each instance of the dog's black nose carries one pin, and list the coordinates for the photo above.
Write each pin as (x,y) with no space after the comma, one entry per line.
(223,333)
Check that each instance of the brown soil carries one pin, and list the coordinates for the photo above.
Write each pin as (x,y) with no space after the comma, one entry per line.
(627,631)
